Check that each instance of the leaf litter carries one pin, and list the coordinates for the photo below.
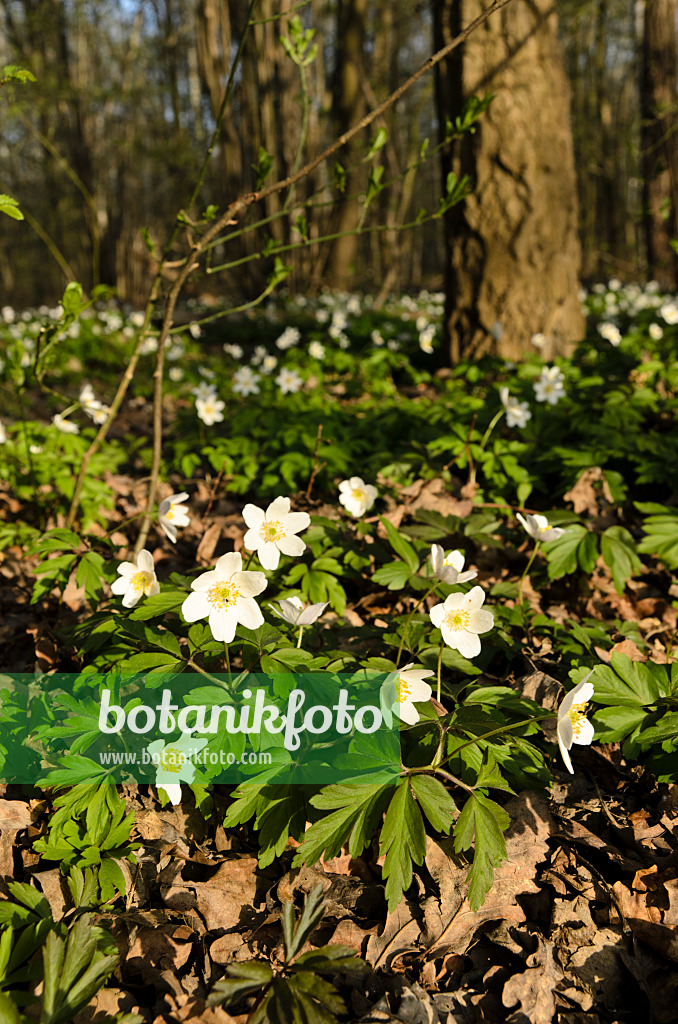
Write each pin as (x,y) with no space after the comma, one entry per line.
(580,927)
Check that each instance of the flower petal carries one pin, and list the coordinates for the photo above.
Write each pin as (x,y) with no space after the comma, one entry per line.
(196,606)
(145,561)
(269,556)
(173,790)
(297,521)
(437,614)
(253,516)
(480,620)
(250,583)
(228,564)
(252,539)
(278,508)
(292,546)
(467,643)
(222,622)
(406,712)
(249,613)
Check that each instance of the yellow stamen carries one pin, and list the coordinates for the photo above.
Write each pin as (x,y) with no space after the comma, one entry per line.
(357,494)
(223,595)
(271,532)
(577,715)
(403,690)
(172,760)
(458,619)
(141,580)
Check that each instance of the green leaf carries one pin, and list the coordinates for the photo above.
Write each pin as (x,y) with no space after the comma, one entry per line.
(401,547)
(481,825)
(619,554)
(394,576)
(661,533)
(630,683)
(616,723)
(359,807)
(379,142)
(8,1010)
(296,935)
(14,73)
(435,801)
(10,207)
(242,980)
(402,841)
(562,554)
(159,604)
(90,574)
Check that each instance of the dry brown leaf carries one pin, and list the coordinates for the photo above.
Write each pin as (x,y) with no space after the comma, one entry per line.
(526,845)
(650,908)
(584,496)
(534,988)
(221,899)
(14,815)
(402,933)
(207,545)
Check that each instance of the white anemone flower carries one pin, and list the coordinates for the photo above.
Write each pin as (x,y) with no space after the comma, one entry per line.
(549,388)
(656,332)
(204,391)
(245,382)
(448,567)
(289,337)
(225,596)
(273,531)
(356,496)
(610,332)
(460,618)
(171,515)
(64,425)
(517,413)
(136,579)
(174,763)
(573,726)
(292,610)
(538,527)
(316,350)
(210,410)
(289,381)
(399,692)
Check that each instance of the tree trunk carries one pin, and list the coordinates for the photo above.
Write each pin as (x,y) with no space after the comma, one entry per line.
(350,106)
(513,255)
(659,139)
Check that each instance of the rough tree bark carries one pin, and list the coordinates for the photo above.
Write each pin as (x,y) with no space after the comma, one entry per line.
(659,139)
(350,107)
(513,255)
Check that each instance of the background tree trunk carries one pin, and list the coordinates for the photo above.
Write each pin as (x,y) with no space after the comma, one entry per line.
(512,247)
(350,107)
(659,139)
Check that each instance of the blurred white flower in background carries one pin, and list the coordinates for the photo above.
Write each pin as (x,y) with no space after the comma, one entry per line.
(171,514)
(356,496)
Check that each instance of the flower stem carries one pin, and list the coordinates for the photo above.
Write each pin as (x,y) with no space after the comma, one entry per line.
(228,660)
(301,633)
(440,661)
(525,572)
(493,423)
(409,619)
